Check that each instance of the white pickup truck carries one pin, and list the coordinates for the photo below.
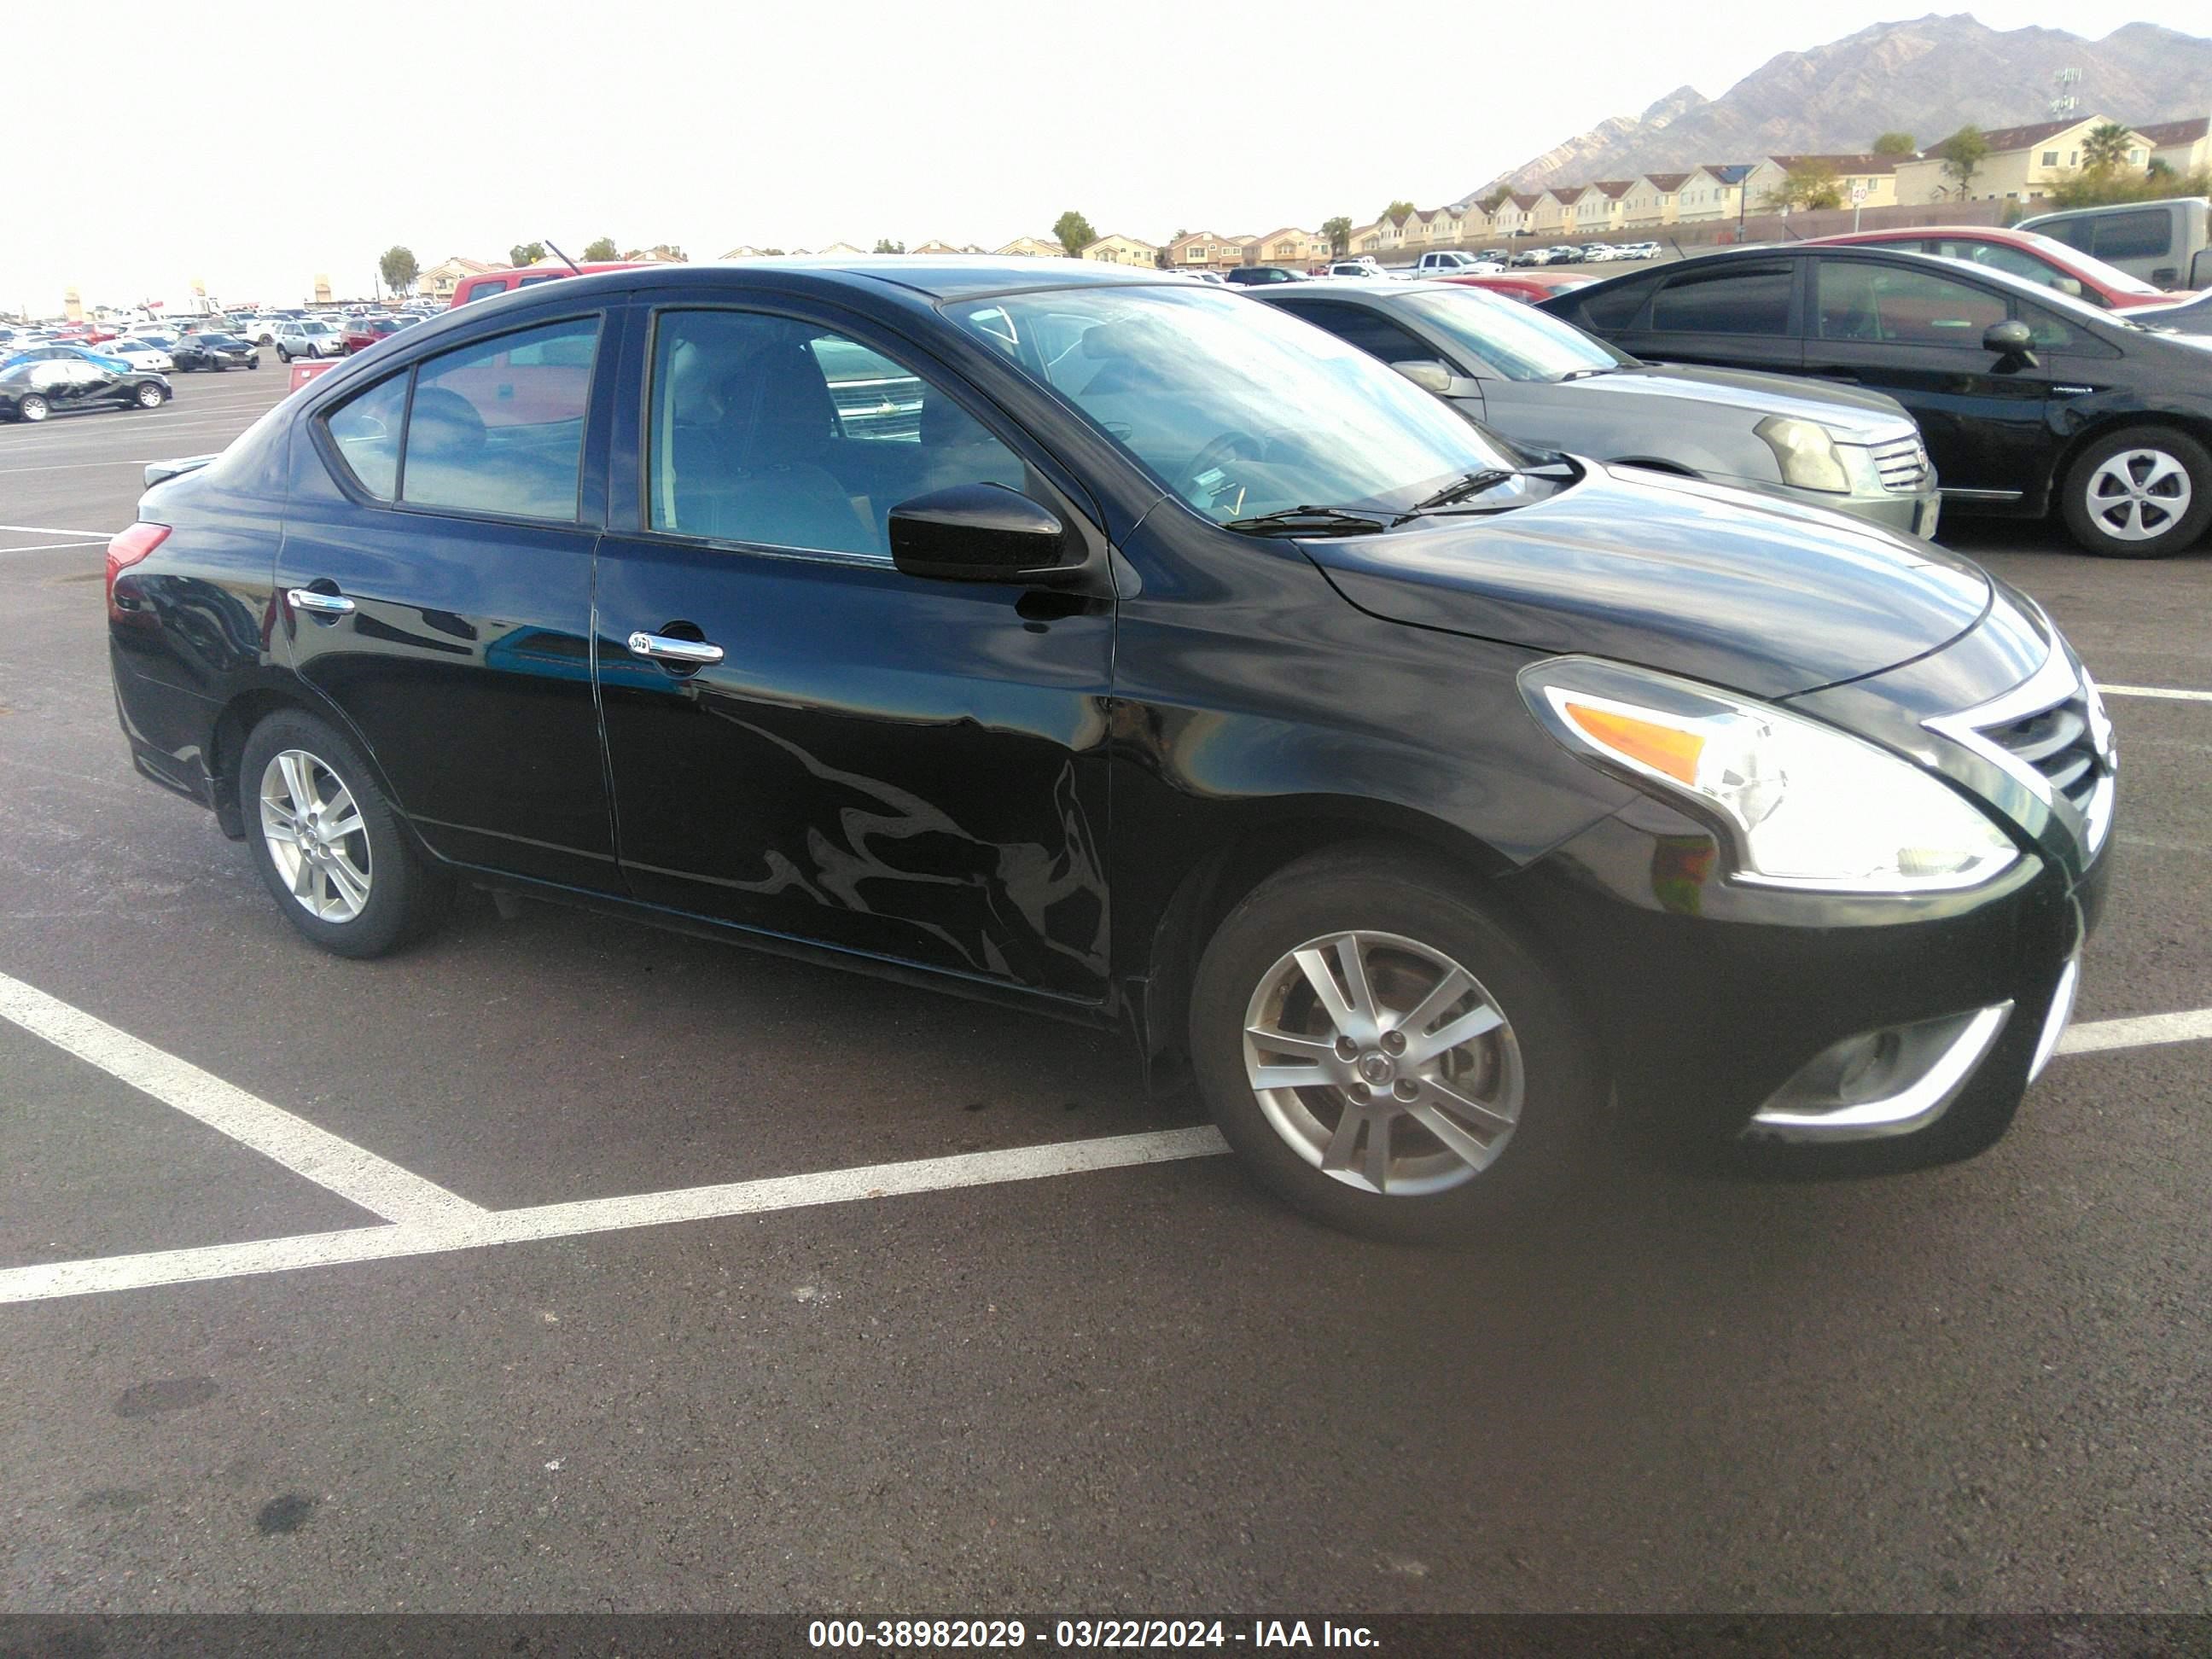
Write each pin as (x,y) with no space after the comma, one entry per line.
(1452,262)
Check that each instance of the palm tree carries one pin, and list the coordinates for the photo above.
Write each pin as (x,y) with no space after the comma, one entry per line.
(2107,146)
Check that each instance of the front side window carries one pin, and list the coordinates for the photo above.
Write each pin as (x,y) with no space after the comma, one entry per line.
(1514,341)
(366,429)
(781,434)
(1370,330)
(1731,301)
(498,425)
(1238,410)
(1855,300)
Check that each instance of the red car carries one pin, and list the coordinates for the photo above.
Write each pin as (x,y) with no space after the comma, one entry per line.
(360,333)
(487,283)
(2022,253)
(1526,286)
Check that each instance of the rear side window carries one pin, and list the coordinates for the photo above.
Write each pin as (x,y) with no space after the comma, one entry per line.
(1732,302)
(1613,309)
(2146,235)
(484,290)
(498,425)
(366,429)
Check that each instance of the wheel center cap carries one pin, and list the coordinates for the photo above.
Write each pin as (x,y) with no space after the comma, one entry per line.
(1376,1068)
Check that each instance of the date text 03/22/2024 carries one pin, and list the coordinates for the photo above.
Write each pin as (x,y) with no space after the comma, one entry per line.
(1085,1633)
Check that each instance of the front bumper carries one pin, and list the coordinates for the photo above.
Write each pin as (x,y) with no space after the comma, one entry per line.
(1916,513)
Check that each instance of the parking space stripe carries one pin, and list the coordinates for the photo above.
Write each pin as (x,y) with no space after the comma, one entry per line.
(54,530)
(46,547)
(358,1175)
(2142,1032)
(2170,693)
(552,1221)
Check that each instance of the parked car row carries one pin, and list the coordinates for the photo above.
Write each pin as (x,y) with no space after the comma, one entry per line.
(1456,781)
(2030,401)
(1569,253)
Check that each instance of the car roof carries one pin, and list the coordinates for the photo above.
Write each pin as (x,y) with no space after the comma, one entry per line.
(1886,254)
(936,277)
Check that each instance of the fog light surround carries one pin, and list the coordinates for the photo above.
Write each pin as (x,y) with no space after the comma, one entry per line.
(1893,1081)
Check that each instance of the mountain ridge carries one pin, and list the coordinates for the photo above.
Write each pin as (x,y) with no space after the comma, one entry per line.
(1926,75)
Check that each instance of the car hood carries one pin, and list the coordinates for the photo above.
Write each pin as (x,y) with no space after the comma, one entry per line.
(1853,414)
(1740,590)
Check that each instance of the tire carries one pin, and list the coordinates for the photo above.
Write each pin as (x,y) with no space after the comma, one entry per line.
(254,361)
(1409,923)
(373,891)
(2144,492)
(32,407)
(283,355)
(149,396)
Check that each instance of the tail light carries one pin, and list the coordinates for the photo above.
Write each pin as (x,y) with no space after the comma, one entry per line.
(129,546)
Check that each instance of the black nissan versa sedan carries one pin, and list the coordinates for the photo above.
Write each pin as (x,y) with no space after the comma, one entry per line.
(1176,666)
(2030,401)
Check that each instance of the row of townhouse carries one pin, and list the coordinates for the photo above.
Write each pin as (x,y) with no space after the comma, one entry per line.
(2023,163)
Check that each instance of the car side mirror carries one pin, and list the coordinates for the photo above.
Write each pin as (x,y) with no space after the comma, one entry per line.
(981,532)
(2068,285)
(1427,374)
(2010,339)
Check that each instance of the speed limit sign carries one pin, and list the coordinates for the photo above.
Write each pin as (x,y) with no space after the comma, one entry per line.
(1858,194)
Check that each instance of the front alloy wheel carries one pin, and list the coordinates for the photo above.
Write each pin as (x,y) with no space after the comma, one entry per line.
(315,835)
(1383,1063)
(2139,494)
(149,396)
(1386,1055)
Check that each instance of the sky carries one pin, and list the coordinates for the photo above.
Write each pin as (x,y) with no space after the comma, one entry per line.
(476,126)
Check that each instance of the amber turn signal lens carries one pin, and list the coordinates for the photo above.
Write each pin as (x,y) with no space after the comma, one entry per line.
(1664,748)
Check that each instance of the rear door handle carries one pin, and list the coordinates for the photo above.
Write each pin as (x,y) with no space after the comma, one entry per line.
(666,648)
(327,604)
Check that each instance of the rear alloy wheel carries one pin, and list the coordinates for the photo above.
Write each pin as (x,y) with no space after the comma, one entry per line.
(1386,1057)
(2143,493)
(32,407)
(149,396)
(329,847)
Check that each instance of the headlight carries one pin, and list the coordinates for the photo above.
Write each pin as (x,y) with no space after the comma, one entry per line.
(1806,453)
(1806,805)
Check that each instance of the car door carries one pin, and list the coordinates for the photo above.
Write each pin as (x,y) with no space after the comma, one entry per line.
(435,579)
(1916,333)
(1734,314)
(842,753)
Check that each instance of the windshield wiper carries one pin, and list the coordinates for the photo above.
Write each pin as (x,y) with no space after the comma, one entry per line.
(1471,484)
(1311,521)
(1584,374)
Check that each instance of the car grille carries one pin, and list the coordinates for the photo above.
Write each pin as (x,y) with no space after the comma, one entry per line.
(2052,732)
(1902,463)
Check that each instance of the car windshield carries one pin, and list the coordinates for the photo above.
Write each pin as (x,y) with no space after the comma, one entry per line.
(1237,409)
(2072,258)
(1513,341)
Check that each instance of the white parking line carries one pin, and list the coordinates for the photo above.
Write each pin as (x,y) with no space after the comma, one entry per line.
(46,547)
(2168,692)
(54,530)
(601,1215)
(377,1185)
(429,1220)
(2141,1033)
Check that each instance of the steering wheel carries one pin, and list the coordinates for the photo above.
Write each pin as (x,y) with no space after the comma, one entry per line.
(1224,447)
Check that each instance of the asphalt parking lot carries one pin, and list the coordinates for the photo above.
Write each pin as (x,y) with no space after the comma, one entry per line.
(561,1264)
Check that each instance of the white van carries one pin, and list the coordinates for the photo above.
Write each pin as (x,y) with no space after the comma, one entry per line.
(2162,242)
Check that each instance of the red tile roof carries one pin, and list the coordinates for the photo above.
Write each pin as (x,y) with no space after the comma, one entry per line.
(2163,133)
(1841,163)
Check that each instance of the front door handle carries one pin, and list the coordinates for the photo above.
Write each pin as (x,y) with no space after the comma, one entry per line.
(326,605)
(695,654)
